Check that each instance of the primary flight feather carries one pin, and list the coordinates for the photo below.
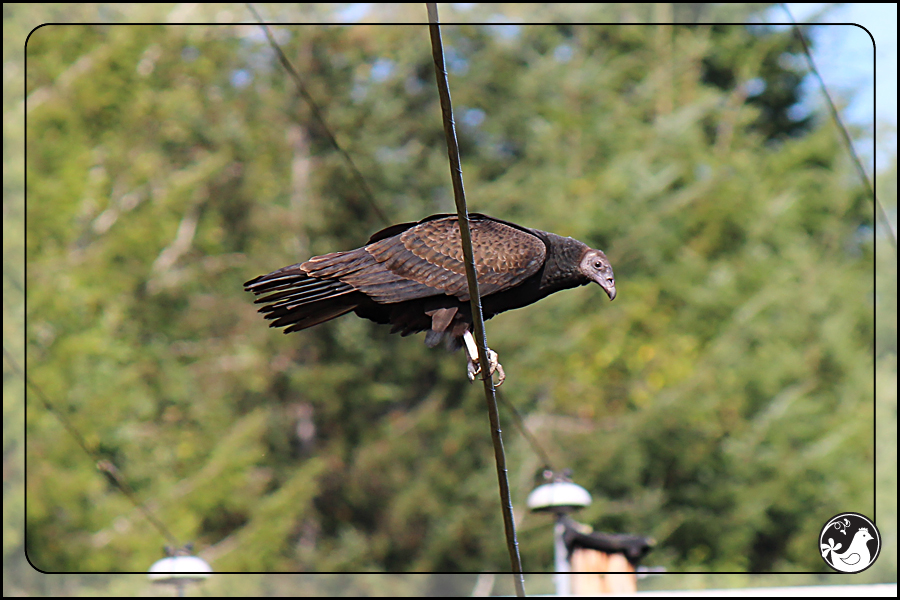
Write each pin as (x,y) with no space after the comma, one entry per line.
(412,277)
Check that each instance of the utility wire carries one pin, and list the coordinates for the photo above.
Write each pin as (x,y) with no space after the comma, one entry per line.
(317,114)
(529,437)
(892,236)
(320,119)
(520,424)
(103,464)
(459,196)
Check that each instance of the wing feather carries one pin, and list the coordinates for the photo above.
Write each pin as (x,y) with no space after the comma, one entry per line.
(419,260)
(430,253)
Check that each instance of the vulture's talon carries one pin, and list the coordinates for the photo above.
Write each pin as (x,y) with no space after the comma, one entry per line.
(501,375)
(408,276)
(473,365)
(472,369)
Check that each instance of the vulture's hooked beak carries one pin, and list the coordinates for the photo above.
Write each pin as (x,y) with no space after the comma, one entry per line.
(610,289)
(607,282)
(595,266)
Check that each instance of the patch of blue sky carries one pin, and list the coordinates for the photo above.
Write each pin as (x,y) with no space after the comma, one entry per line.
(456,64)
(503,27)
(861,79)
(472,117)
(241,78)
(506,31)
(381,69)
(353,13)
(563,53)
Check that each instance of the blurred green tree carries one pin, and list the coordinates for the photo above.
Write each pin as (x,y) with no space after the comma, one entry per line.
(722,404)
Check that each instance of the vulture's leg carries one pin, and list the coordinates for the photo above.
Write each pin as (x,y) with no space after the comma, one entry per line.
(473,367)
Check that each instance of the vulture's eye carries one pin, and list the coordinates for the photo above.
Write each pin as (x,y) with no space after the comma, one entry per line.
(598,264)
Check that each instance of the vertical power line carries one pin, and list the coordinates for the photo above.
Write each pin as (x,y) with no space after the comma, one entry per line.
(459,196)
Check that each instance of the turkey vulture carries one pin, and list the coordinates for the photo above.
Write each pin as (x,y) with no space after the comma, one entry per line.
(412,277)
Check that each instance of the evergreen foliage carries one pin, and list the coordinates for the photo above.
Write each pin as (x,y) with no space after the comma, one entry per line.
(723,404)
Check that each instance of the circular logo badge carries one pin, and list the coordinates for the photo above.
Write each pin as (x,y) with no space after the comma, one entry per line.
(850,542)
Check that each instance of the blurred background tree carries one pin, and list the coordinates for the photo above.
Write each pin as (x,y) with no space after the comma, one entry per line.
(723,404)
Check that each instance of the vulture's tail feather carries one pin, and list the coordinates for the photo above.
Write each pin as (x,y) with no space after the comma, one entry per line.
(297,301)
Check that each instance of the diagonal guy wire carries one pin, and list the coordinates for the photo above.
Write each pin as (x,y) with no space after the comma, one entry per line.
(103,464)
(529,437)
(459,195)
(317,115)
(892,236)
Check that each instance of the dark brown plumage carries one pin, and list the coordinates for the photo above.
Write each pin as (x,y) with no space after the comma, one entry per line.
(412,277)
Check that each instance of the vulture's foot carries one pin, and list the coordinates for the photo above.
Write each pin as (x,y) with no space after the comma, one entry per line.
(473,365)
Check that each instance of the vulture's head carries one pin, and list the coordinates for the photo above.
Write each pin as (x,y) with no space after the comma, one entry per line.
(595,266)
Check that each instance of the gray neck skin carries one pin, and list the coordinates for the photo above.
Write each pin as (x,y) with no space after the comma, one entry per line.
(561,269)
